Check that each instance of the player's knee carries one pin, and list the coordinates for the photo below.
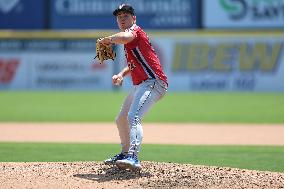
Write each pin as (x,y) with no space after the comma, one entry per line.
(133,119)
(119,120)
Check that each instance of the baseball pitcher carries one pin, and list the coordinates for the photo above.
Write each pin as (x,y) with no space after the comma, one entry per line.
(149,85)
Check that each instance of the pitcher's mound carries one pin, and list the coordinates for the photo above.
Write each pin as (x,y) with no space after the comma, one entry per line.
(153,175)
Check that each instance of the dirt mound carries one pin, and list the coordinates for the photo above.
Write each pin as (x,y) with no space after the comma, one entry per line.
(153,175)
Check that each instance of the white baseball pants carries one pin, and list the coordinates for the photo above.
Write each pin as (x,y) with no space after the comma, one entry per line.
(136,104)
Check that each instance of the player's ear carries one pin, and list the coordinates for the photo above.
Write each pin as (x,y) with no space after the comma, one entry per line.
(134,18)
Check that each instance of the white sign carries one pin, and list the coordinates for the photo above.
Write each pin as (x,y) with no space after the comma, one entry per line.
(54,71)
(224,63)
(243,13)
(192,62)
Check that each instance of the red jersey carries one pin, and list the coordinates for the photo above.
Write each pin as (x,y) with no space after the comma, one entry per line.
(142,59)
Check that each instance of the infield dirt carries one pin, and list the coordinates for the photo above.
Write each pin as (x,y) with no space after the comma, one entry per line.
(155,133)
(153,175)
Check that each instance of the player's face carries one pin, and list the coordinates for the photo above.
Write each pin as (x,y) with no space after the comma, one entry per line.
(125,20)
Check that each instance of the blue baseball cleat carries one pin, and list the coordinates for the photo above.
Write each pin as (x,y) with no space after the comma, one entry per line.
(129,163)
(112,160)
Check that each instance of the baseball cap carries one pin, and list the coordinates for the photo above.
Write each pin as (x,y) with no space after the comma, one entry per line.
(124,8)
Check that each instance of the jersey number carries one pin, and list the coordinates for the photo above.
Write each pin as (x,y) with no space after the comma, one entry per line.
(131,65)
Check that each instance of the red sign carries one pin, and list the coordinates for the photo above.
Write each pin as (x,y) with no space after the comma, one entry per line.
(8,68)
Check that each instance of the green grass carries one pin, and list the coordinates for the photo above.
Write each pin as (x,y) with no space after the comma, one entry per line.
(269,158)
(174,107)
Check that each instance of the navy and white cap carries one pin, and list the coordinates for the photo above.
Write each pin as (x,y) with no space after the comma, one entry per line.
(124,8)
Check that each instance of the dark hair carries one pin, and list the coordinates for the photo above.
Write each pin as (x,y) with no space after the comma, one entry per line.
(124,8)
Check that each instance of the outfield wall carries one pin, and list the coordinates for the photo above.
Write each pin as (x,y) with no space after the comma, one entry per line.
(193,61)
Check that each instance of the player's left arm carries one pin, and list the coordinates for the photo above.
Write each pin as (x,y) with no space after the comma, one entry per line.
(118,38)
(118,78)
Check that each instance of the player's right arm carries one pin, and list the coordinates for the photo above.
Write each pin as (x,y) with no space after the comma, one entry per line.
(118,38)
(118,78)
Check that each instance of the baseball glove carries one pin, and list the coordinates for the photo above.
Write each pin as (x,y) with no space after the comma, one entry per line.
(104,52)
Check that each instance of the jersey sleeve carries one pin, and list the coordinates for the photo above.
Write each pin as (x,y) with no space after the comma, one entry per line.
(134,42)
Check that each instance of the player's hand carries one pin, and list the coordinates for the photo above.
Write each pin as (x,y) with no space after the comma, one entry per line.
(117,79)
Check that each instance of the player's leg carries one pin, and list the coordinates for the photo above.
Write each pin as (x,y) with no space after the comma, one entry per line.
(147,94)
(122,123)
(123,129)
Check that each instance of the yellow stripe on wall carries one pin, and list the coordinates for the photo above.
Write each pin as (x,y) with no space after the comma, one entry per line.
(81,34)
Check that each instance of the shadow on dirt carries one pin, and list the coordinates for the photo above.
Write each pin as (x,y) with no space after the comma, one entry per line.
(112,173)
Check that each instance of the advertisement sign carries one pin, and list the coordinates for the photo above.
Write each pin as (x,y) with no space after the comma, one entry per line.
(243,13)
(151,14)
(52,65)
(224,63)
(22,14)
